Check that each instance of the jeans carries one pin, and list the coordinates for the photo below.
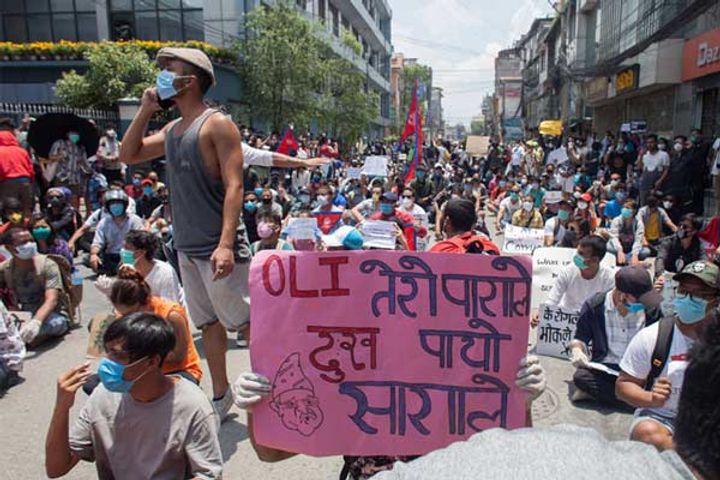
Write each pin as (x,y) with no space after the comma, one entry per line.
(55,325)
(110,264)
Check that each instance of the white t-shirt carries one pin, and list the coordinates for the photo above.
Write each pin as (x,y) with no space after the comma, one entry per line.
(163,282)
(715,170)
(657,161)
(550,230)
(571,289)
(255,156)
(510,208)
(421,218)
(637,358)
(517,155)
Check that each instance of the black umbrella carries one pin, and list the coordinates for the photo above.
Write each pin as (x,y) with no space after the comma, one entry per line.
(52,126)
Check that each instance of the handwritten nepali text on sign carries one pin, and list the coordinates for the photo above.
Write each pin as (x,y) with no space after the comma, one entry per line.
(386,353)
(520,240)
(556,331)
(379,234)
(375,166)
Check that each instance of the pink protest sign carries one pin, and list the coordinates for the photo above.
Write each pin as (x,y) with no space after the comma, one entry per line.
(386,353)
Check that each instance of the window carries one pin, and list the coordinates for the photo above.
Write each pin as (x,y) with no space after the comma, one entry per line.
(175,20)
(47,20)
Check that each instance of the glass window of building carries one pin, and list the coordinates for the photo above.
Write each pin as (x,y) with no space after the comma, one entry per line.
(47,20)
(157,20)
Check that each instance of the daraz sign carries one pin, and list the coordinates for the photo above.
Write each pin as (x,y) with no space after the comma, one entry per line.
(701,55)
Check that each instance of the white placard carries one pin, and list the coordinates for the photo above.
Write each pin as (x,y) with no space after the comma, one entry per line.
(353,173)
(302,228)
(556,331)
(378,234)
(522,241)
(547,263)
(553,196)
(376,166)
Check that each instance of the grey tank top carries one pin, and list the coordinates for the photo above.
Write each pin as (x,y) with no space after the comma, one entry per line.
(197,197)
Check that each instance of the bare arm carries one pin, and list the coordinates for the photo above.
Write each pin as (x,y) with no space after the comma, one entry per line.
(266,454)
(48,306)
(631,390)
(135,147)
(284,161)
(179,324)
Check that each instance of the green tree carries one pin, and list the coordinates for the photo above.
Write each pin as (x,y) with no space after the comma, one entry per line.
(114,71)
(477,126)
(280,65)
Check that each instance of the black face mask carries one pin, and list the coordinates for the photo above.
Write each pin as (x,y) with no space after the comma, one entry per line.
(164,199)
(266,200)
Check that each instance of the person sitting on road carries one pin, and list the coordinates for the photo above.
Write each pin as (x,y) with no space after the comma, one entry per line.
(12,215)
(61,216)
(681,249)
(269,228)
(555,227)
(626,236)
(528,216)
(140,423)
(459,219)
(607,323)
(35,283)
(111,233)
(48,242)
(508,206)
(12,350)
(139,252)
(653,384)
(654,219)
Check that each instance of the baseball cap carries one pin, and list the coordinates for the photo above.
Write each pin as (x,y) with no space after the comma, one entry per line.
(704,271)
(390,197)
(146,181)
(192,56)
(636,281)
(586,197)
(346,237)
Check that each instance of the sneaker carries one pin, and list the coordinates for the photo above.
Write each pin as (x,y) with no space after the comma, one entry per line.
(240,341)
(223,405)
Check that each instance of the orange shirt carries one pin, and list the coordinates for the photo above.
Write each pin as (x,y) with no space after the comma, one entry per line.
(163,308)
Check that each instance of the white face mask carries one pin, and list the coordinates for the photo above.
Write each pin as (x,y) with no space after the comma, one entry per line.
(582,205)
(667,204)
(408,202)
(662,147)
(322,199)
(26,251)
(527,206)
(678,147)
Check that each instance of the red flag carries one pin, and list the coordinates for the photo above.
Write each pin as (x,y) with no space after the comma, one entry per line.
(417,149)
(288,143)
(411,124)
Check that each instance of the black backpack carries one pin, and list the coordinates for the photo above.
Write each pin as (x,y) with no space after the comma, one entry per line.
(661,351)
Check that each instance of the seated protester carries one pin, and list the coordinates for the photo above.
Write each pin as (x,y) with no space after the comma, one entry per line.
(556,226)
(148,201)
(12,350)
(368,207)
(673,208)
(88,227)
(459,219)
(328,216)
(562,451)
(139,252)
(654,218)
(586,211)
(268,230)
(163,211)
(537,192)
(528,216)
(626,236)
(408,205)
(681,249)
(251,388)
(48,242)
(111,232)
(577,229)
(267,204)
(508,206)
(410,229)
(35,283)
(653,383)
(60,214)
(12,215)
(140,423)
(586,277)
(608,321)
(249,210)
(134,189)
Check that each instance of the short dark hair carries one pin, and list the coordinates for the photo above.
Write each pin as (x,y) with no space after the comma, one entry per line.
(144,335)
(596,244)
(11,204)
(461,213)
(698,419)
(693,219)
(130,288)
(204,80)
(7,237)
(143,240)
(6,124)
(272,217)
(653,136)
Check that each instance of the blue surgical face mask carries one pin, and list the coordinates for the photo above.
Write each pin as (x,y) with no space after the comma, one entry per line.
(165,85)
(387,208)
(258,191)
(147,191)
(688,309)
(635,307)
(563,215)
(74,137)
(580,262)
(127,257)
(627,212)
(250,206)
(111,375)
(116,209)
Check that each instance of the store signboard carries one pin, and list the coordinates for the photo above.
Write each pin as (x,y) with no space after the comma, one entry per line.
(596,89)
(627,79)
(701,55)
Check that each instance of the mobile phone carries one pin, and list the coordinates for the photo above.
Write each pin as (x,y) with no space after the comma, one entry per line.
(166,104)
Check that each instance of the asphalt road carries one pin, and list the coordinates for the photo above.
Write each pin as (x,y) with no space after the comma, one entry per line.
(25,411)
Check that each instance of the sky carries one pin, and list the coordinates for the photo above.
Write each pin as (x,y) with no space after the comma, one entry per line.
(459,40)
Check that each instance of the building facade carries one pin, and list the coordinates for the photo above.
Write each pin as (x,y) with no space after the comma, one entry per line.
(508,93)
(219,22)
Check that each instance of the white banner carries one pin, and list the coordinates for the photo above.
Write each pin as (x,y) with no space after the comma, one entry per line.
(378,234)
(547,263)
(376,166)
(556,331)
(522,241)
(353,173)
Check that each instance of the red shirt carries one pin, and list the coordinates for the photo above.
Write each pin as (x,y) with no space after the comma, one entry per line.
(406,222)
(14,160)
(461,243)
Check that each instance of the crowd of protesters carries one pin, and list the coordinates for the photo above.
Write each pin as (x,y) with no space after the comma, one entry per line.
(170,246)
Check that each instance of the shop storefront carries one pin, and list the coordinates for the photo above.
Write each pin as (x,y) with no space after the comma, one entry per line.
(701,66)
